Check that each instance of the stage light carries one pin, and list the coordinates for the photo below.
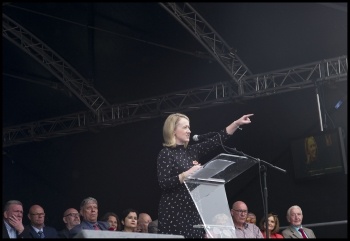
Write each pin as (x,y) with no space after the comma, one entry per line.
(339,103)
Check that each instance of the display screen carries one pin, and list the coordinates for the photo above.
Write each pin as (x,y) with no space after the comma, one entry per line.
(319,154)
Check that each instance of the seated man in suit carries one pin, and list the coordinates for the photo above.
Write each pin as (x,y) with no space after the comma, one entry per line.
(153,226)
(37,227)
(295,229)
(89,212)
(12,226)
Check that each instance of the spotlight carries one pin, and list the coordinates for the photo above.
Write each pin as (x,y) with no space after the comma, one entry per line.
(339,103)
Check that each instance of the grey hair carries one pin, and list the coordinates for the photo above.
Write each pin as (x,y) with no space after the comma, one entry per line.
(9,203)
(292,207)
(87,200)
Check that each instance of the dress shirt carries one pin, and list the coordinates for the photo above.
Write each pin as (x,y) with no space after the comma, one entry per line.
(249,230)
(10,230)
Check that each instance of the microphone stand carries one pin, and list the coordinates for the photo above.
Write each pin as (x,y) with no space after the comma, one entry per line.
(264,170)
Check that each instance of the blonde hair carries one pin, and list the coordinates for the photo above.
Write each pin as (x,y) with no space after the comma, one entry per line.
(169,128)
(310,157)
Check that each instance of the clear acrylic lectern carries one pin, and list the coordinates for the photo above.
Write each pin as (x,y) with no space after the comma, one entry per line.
(207,189)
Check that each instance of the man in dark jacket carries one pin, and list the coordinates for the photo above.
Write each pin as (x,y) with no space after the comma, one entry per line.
(12,226)
(37,227)
(89,212)
(71,218)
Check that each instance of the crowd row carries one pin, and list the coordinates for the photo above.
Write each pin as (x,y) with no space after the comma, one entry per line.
(132,221)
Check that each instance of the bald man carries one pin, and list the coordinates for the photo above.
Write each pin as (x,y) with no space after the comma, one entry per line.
(239,213)
(71,218)
(142,223)
(37,227)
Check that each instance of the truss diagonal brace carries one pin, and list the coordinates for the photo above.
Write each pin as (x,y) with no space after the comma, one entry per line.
(210,39)
(54,63)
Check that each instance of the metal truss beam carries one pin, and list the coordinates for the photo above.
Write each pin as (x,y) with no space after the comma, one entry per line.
(291,79)
(54,63)
(210,39)
(45,82)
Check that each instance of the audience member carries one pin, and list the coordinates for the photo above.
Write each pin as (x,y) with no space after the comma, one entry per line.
(153,226)
(251,218)
(12,226)
(37,227)
(89,212)
(243,229)
(71,218)
(143,222)
(273,226)
(221,227)
(221,219)
(295,228)
(113,221)
(129,220)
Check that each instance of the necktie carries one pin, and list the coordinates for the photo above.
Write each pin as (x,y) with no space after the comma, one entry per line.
(41,234)
(96,227)
(302,233)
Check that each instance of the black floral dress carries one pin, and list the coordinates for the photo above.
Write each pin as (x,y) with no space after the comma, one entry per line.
(177,212)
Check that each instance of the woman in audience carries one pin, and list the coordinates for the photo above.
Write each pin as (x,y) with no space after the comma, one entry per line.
(273,226)
(129,220)
(113,221)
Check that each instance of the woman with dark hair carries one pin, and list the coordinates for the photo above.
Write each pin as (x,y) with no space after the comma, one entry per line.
(129,220)
(113,221)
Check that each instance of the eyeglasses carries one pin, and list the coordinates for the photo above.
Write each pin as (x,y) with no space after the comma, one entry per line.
(75,215)
(37,214)
(241,211)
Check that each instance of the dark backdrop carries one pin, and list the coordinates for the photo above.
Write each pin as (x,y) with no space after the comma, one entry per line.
(117,165)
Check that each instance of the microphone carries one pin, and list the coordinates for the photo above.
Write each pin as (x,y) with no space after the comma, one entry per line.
(203,137)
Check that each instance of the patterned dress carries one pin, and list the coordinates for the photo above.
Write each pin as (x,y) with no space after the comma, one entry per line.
(176,212)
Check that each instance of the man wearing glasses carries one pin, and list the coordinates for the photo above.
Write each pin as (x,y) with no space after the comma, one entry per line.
(71,218)
(243,229)
(37,227)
